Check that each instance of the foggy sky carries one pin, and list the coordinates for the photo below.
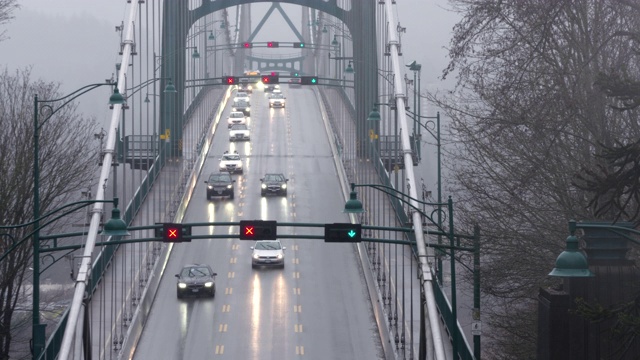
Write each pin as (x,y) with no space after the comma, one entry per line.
(75,42)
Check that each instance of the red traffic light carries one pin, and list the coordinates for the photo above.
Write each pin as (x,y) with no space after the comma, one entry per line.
(231,80)
(258,230)
(271,79)
(247,45)
(273,44)
(171,232)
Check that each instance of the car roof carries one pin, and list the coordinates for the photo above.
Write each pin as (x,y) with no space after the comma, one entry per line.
(220,175)
(194,265)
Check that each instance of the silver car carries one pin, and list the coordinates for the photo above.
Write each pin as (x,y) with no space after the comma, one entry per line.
(267,253)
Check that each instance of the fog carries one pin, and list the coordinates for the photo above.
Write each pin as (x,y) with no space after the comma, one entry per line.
(75,42)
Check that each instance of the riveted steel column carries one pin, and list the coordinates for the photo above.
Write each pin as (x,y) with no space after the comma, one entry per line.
(361,22)
(172,63)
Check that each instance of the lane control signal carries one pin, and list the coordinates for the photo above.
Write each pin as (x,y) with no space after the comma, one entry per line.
(258,230)
(342,232)
(309,80)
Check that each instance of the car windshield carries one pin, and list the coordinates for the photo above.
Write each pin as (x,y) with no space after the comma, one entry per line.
(231,157)
(236,114)
(239,127)
(200,271)
(242,94)
(277,96)
(220,178)
(240,103)
(273,178)
(268,245)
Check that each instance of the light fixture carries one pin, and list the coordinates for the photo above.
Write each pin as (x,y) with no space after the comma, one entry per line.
(374,115)
(349,69)
(572,262)
(116,98)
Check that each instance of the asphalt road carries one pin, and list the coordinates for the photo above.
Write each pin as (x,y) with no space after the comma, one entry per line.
(317,307)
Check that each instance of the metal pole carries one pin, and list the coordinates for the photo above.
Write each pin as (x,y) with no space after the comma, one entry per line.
(454,314)
(439,272)
(476,288)
(38,330)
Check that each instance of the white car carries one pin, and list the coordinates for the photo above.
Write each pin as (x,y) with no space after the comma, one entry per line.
(241,95)
(239,132)
(236,117)
(267,253)
(277,100)
(231,162)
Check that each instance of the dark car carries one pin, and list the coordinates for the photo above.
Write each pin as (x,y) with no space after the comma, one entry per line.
(196,279)
(220,184)
(245,86)
(243,106)
(275,184)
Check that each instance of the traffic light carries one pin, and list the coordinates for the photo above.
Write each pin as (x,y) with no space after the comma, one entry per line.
(342,232)
(298,44)
(171,232)
(309,80)
(295,74)
(270,79)
(258,230)
(247,45)
(273,44)
(231,80)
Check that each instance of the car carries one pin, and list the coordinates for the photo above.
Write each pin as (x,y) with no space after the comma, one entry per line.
(277,100)
(277,90)
(273,184)
(220,184)
(231,162)
(236,117)
(242,106)
(196,279)
(295,82)
(245,86)
(241,95)
(267,253)
(239,132)
(269,87)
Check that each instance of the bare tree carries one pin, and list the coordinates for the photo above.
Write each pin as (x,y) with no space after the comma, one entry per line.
(526,119)
(6,10)
(67,158)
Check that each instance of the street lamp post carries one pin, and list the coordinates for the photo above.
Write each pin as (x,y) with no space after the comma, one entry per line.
(353,205)
(38,330)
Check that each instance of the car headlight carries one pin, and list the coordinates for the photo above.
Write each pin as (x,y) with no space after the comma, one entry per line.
(255,256)
(229,186)
(284,186)
(209,187)
(234,109)
(280,256)
(208,284)
(264,186)
(248,109)
(182,285)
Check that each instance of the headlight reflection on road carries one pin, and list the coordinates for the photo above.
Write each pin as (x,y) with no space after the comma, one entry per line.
(255,317)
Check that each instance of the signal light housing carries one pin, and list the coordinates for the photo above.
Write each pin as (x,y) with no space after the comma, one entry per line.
(309,80)
(273,44)
(258,230)
(231,80)
(342,232)
(247,45)
(298,45)
(270,79)
(171,232)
